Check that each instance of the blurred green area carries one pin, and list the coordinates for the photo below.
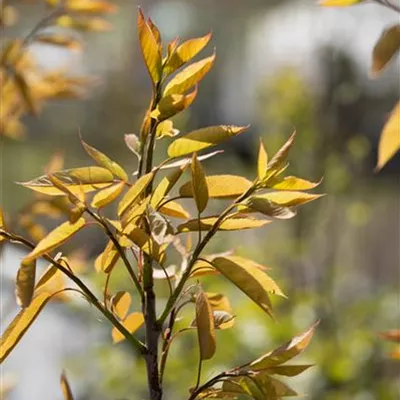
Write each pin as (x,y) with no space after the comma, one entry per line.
(337,260)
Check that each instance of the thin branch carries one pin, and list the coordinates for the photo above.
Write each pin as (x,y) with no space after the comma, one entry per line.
(389,5)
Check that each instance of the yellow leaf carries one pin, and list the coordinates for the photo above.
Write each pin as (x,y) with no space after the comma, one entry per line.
(232,223)
(86,179)
(165,186)
(279,159)
(172,105)
(289,199)
(51,281)
(59,40)
(133,217)
(2,223)
(107,195)
(199,185)
(25,90)
(385,49)
(166,129)
(174,209)
(25,283)
(90,6)
(262,161)
(155,31)
(220,186)
(65,387)
(105,162)
(339,3)
(255,283)
(54,239)
(20,325)
(205,326)
(202,139)
(132,323)
(266,207)
(219,302)
(134,192)
(189,76)
(107,259)
(185,52)
(389,142)
(287,370)
(151,50)
(121,303)
(286,352)
(292,183)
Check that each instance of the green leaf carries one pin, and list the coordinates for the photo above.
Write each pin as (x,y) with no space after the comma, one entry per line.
(205,326)
(202,139)
(25,283)
(151,49)
(199,185)
(231,223)
(120,304)
(65,387)
(107,195)
(255,283)
(189,77)
(55,238)
(134,192)
(220,186)
(185,52)
(20,324)
(105,162)
(389,143)
(286,352)
(132,323)
(385,49)
(84,179)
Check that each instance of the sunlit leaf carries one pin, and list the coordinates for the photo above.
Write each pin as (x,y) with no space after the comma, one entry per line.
(2,223)
(202,139)
(252,281)
(154,30)
(120,304)
(389,142)
(90,6)
(220,186)
(132,323)
(166,129)
(107,195)
(133,217)
(286,352)
(292,183)
(20,325)
(287,370)
(189,77)
(150,48)
(59,40)
(223,320)
(65,387)
(134,192)
(174,209)
(107,259)
(279,159)
(205,326)
(231,223)
(289,199)
(199,185)
(266,207)
(219,302)
(25,283)
(165,186)
(172,105)
(185,52)
(84,179)
(105,161)
(385,49)
(133,143)
(262,161)
(339,3)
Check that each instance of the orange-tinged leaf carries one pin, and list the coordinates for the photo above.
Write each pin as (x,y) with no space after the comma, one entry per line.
(199,185)
(220,186)
(173,104)
(65,387)
(189,76)
(255,283)
(203,138)
(292,183)
(205,326)
(86,179)
(392,335)
(105,162)
(120,304)
(385,49)
(25,283)
(185,52)
(286,352)
(20,324)
(132,323)
(262,162)
(107,195)
(151,50)
(233,223)
(155,31)
(55,238)
(389,142)
(165,185)
(174,209)
(134,192)
(339,3)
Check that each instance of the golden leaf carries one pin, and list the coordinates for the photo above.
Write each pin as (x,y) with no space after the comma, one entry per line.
(205,326)
(291,183)
(107,259)
(120,304)
(262,161)
(165,186)
(199,184)
(25,283)
(132,323)
(202,139)
(339,3)
(174,209)
(65,387)
(385,49)
(290,198)
(107,195)
(59,40)
(278,160)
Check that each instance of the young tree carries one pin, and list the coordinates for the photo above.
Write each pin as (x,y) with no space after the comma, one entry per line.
(144,234)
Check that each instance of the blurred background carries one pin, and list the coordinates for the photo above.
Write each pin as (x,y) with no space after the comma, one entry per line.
(280,65)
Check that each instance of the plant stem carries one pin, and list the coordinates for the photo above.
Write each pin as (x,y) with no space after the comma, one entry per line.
(389,5)
(138,345)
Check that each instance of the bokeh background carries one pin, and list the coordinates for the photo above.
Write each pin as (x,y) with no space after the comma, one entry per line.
(280,65)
